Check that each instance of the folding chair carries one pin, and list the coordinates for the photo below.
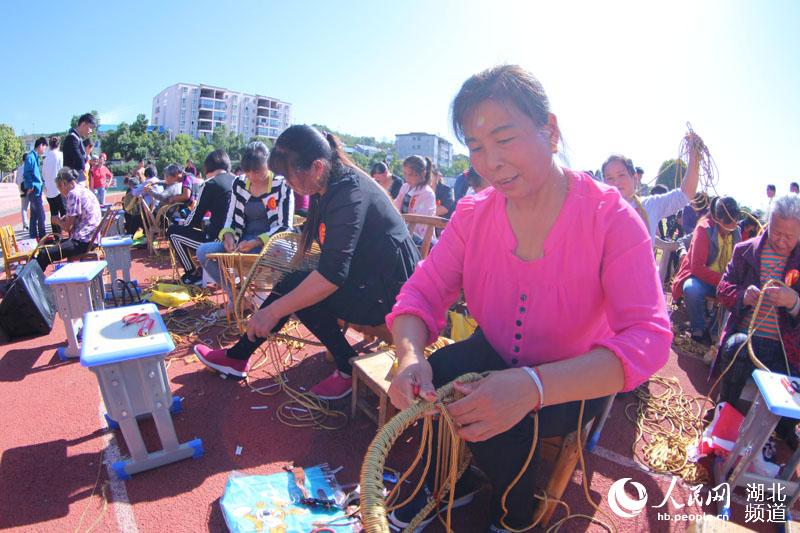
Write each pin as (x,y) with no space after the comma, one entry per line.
(12,254)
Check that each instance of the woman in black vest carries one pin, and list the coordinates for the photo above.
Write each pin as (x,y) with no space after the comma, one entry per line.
(367,255)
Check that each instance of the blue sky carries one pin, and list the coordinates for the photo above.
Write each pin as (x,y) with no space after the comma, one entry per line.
(622,76)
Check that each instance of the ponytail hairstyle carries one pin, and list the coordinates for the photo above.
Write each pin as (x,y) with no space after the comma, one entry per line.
(724,210)
(627,163)
(421,167)
(294,153)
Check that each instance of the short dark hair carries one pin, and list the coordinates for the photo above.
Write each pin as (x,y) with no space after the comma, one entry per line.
(87,141)
(255,156)
(640,170)
(172,169)
(658,188)
(770,187)
(725,209)
(54,142)
(379,168)
(39,142)
(794,184)
(150,172)
(216,160)
(87,118)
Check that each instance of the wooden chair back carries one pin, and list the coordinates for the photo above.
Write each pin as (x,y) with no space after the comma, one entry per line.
(431,224)
(11,252)
(153,231)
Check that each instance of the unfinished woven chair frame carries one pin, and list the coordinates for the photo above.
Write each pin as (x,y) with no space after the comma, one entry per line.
(275,261)
(373,503)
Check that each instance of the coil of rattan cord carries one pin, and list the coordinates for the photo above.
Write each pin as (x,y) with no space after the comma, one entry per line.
(373,504)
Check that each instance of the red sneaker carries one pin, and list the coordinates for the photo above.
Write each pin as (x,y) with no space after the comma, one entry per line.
(219,361)
(335,386)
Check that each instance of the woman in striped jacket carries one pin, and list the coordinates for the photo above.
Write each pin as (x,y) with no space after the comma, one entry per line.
(261,205)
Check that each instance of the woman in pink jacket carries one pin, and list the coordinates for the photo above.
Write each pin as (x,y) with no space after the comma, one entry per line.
(558,271)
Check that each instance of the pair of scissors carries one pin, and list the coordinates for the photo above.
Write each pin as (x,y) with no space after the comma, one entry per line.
(791,386)
(146,323)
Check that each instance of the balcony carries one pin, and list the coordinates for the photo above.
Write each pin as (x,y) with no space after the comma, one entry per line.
(206,103)
(204,125)
(204,114)
(206,93)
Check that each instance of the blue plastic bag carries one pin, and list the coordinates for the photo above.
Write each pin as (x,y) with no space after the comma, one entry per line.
(271,503)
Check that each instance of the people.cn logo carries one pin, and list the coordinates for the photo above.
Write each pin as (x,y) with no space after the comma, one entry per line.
(622,505)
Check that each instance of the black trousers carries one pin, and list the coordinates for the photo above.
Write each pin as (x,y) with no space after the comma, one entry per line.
(770,352)
(352,303)
(62,250)
(502,456)
(57,209)
(132,223)
(185,240)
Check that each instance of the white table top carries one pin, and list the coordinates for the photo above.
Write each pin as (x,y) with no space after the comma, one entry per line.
(77,272)
(776,396)
(106,340)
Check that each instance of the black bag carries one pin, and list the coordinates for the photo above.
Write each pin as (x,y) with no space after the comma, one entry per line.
(28,308)
(128,291)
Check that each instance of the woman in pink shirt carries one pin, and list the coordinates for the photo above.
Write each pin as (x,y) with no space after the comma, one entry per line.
(558,272)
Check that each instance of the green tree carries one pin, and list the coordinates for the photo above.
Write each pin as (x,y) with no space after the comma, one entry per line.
(139,125)
(671,173)
(176,151)
(11,149)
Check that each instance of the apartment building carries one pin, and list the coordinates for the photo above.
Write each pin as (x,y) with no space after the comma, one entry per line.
(425,144)
(198,109)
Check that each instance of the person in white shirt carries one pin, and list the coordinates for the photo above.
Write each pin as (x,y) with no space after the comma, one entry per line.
(19,176)
(53,161)
(416,195)
(618,171)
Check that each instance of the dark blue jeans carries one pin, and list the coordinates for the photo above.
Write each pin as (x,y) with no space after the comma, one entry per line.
(37,215)
(695,293)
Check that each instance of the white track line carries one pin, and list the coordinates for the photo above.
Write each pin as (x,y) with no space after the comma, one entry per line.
(120,504)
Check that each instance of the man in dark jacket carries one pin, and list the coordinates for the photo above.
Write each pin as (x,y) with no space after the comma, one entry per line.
(72,147)
(215,196)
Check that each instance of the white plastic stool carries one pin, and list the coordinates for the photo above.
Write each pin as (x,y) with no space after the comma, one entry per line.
(772,402)
(133,381)
(77,289)
(118,256)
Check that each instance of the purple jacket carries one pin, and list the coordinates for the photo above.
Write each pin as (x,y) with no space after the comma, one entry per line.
(744,270)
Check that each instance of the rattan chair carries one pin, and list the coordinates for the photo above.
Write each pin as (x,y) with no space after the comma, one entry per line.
(275,261)
(430,223)
(154,226)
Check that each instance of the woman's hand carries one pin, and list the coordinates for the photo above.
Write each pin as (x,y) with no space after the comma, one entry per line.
(751,295)
(414,378)
(246,246)
(493,404)
(693,142)
(229,243)
(261,323)
(780,297)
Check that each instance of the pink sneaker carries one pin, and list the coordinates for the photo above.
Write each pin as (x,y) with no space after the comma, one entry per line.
(335,386)
(219,361)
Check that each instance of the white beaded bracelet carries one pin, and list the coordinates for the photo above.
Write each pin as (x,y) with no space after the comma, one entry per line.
(534,374)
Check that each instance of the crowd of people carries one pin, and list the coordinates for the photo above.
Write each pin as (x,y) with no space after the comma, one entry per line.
(556,266)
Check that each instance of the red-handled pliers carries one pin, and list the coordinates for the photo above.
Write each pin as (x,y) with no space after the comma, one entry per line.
(144,319)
